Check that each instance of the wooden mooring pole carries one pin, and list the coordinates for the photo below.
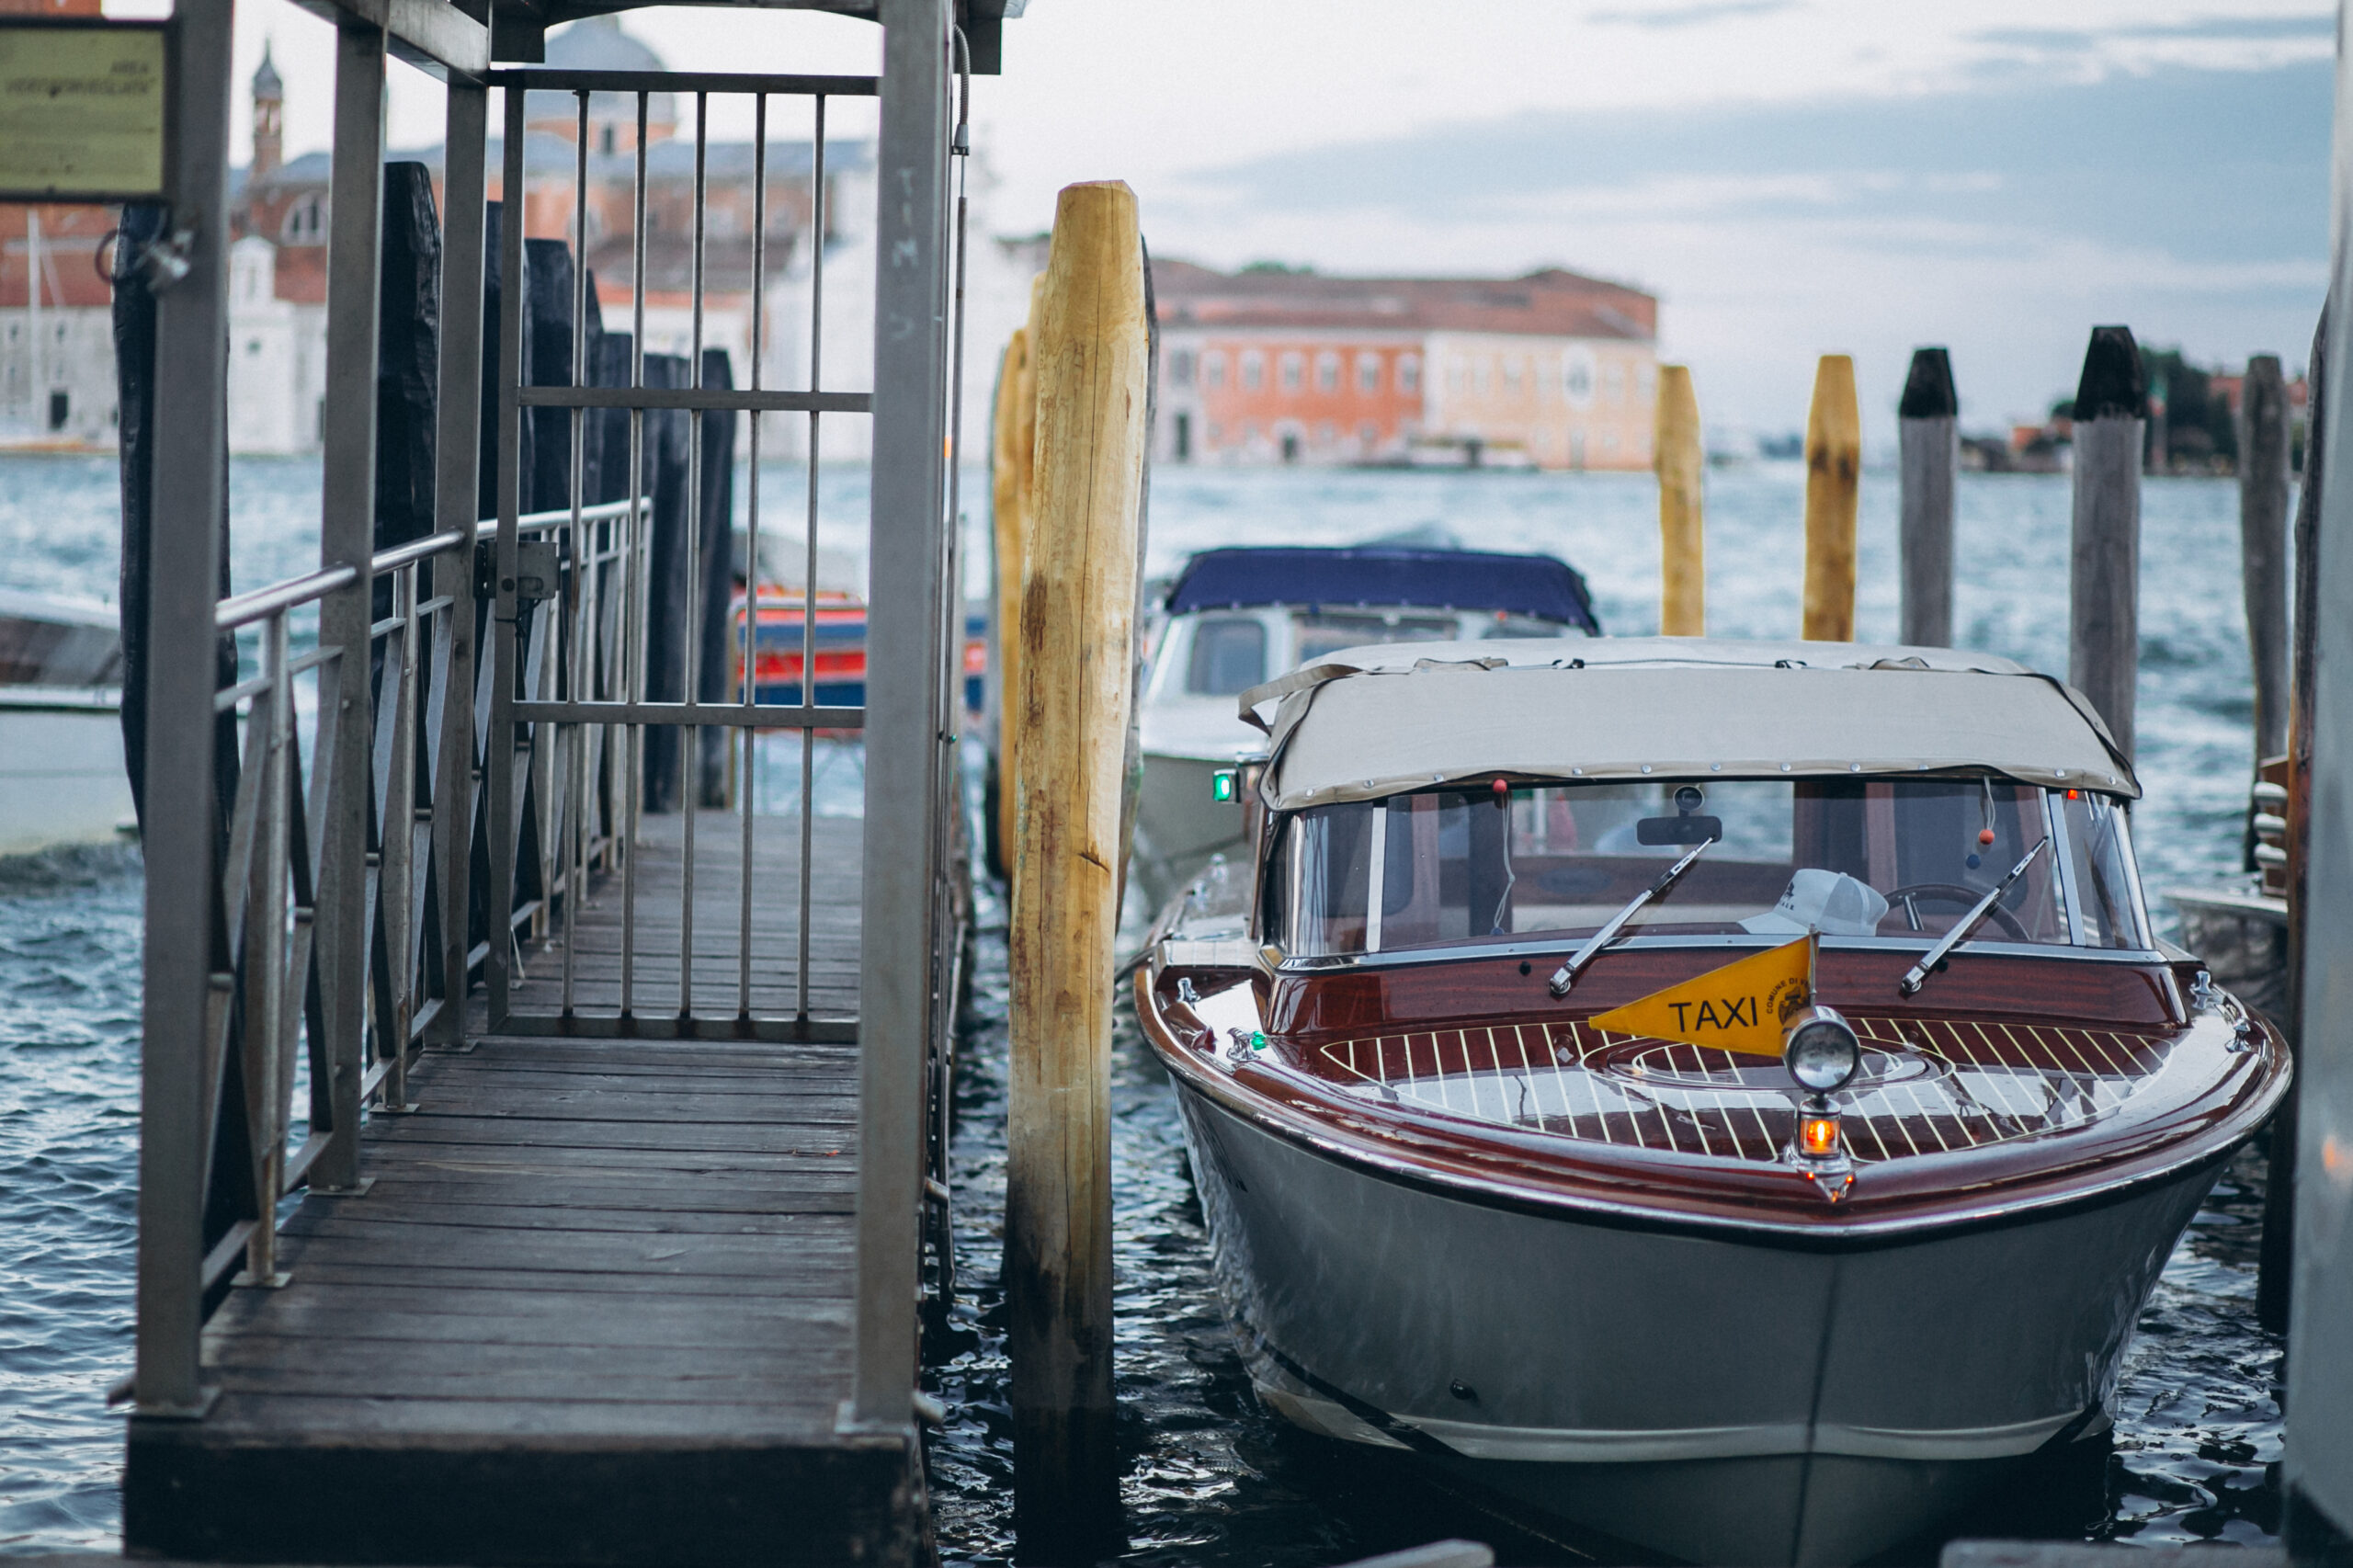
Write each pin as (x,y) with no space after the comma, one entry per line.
(1677,457)
(1929,429)
(2263,545)
(1013,453)
(1834,464)
(1090,347)
(2104,570)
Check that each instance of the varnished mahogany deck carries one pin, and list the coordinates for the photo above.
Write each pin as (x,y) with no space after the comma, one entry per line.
(594,1308)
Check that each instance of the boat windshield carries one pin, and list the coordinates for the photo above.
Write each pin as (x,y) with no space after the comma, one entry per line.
(1849,858)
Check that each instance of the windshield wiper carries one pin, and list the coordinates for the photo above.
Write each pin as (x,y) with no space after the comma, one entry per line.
(1566,975)
(1918,974)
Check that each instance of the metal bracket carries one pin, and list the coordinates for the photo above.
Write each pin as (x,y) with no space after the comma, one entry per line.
(165,261)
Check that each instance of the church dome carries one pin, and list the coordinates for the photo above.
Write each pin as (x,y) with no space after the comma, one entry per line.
(598,43)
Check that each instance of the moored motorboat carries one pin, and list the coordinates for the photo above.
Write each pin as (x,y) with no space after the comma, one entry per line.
(1236,616)
(61,779)
(1724,1095)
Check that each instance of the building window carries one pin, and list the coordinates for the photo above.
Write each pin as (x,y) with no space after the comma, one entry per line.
(1511,374)
(1613,385)
(1367,434)
(605,140)
(1646,382)
(1211,434)
(1214,370)
(1482,369)
(60,408)
(1328,371)
(1184,444)
(1294,370)
(1368,373)
(1326,433)
(1409,373)
(1577,377)
(252,346)
(1180,368)
(1254,369)
(305,221)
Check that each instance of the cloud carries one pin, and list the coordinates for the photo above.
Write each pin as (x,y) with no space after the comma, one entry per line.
(1662,17)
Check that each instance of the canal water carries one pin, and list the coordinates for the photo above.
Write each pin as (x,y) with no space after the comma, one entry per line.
(1209,1477)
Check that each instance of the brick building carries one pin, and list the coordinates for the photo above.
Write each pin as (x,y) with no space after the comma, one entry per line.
(1553,369)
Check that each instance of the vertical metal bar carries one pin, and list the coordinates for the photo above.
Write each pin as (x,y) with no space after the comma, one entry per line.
(818,213)
(748,738)
(396,870)
(346,537)
(634,597)
(457,487)
(575,882)
(184,565)
(268,1066)
(689,737)
(902,656)
(499,761)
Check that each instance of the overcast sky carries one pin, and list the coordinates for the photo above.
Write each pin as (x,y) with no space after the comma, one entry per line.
(1791,176)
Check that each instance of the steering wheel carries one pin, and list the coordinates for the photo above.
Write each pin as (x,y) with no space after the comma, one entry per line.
(1955,893)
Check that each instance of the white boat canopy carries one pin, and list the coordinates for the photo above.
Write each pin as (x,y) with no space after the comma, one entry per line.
(1378,721)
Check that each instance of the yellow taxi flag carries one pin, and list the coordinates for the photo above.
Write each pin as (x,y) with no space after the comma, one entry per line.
(1741,1007)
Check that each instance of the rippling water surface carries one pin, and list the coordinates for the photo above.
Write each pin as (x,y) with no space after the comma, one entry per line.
(1211,1478)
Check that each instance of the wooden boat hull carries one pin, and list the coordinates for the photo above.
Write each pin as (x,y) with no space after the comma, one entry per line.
(1708,1394)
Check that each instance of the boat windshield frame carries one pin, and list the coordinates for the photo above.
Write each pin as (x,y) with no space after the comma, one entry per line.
(2057,834)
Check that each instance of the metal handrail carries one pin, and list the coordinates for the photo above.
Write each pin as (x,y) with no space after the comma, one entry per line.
(259,604)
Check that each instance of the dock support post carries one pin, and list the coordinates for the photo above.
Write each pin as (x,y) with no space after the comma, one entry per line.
(347,538)
(1833,463)
(2319,1441)
(2104,573)
(2263,545)
(457,455)
(1011,462)
(190,481)
(1091,348)
(905,663)
(1929,423)
(1677,458)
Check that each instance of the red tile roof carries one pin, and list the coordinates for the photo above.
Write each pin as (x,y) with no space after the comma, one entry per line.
(1552,303)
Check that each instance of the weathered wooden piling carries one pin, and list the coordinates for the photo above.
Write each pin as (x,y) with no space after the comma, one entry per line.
(2275,1268)
(1834,465)
(1011,459)
(2263,545)
(2318,1465)
(1928,431)
(1680,463)
(2104,579)
(1090,348)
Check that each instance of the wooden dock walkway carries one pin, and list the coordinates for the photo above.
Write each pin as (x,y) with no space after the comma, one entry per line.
(596,1305)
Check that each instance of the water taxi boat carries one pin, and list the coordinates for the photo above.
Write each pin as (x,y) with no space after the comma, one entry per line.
(1235,617)
(1727,1096)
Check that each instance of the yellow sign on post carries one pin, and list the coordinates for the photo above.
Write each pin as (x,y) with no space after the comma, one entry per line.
(1743,1006)
(81,110)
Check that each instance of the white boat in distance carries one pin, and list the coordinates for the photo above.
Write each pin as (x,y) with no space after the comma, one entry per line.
(1235,617)
(1725,1096)
(61,779)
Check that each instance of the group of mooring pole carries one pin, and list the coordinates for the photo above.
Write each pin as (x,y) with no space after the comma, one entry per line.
(2111,425)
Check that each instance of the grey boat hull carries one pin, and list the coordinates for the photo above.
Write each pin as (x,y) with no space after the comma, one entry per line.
(1713,1397)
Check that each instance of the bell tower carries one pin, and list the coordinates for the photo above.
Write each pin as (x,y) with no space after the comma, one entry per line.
(270,116)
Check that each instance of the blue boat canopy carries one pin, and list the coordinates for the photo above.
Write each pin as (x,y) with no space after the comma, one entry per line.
(1535,586)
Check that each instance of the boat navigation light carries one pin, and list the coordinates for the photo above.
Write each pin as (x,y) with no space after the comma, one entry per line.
(1821,1050)
(1818,1136)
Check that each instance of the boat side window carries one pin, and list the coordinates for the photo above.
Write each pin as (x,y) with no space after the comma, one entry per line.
(2099,848)
(1316,889)
(1229,656)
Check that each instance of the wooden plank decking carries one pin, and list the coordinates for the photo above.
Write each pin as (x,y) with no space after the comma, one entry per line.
(595,1308)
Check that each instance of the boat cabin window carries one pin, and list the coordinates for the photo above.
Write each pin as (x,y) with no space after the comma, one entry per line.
(1229,656)
(1852,858)
(1322,633)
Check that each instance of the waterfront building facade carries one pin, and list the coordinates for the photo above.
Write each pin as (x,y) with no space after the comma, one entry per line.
(1553,369)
